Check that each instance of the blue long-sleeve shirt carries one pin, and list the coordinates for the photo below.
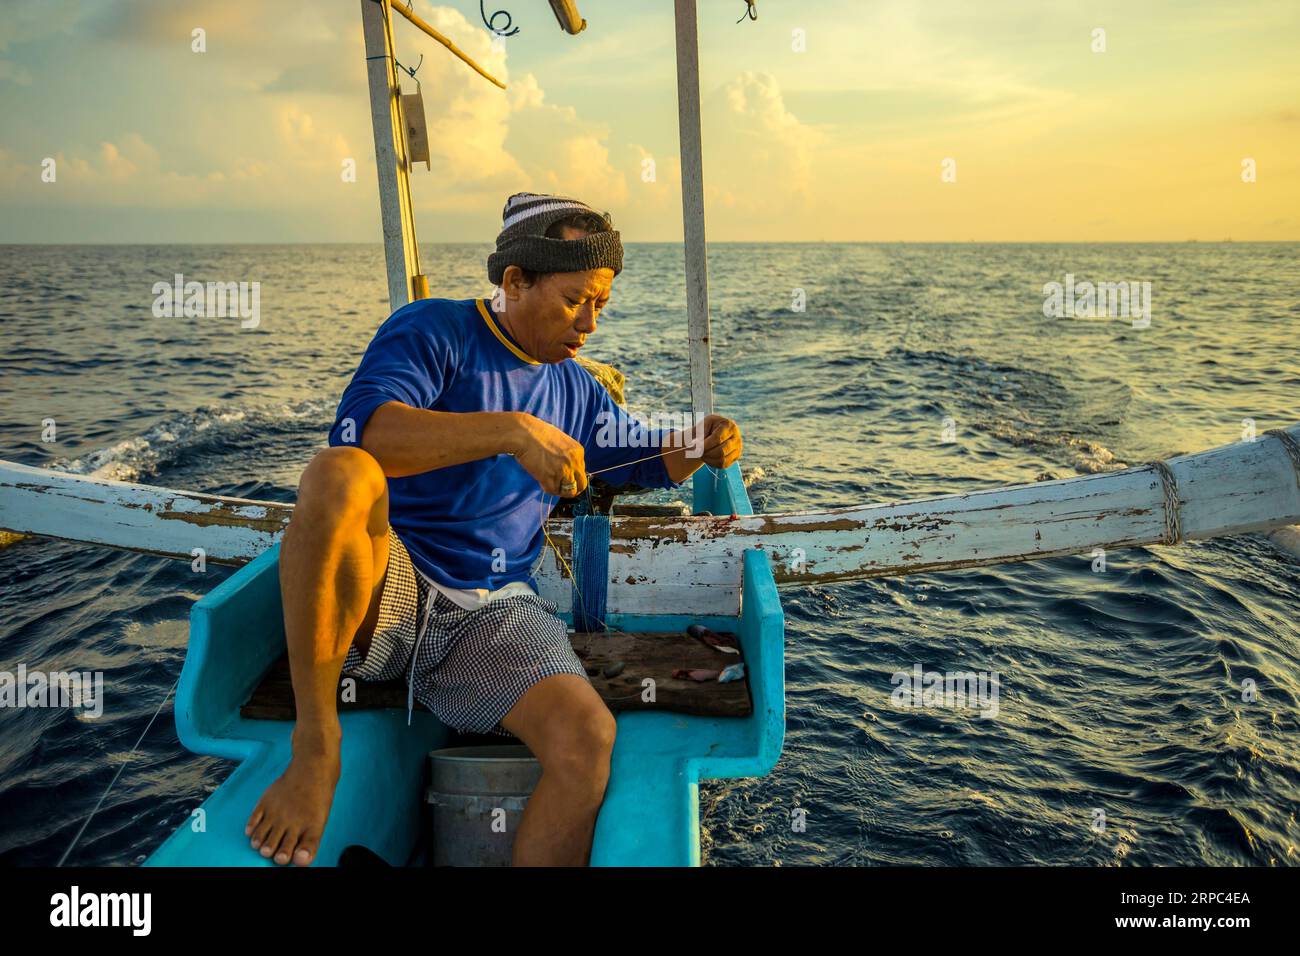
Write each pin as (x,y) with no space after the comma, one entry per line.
(479,524)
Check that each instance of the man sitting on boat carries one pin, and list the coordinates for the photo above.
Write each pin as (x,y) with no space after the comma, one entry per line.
(412,544)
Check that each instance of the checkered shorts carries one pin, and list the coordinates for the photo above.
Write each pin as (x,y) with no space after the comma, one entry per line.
(470,667)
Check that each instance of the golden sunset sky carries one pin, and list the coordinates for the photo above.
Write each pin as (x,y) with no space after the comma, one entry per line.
(843,140)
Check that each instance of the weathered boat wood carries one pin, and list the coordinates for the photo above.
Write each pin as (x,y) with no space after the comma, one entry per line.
(1234,489)
(655,656)
(131,517)
(647,654)
(696,561)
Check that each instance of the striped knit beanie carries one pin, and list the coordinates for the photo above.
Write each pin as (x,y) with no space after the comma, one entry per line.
(523,241)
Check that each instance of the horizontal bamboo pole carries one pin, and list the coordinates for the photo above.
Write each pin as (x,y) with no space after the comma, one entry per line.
(418,22)
(695,562)
(566,12)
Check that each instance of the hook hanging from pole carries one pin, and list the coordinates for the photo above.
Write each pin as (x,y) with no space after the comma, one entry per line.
(410,71)
(491,22)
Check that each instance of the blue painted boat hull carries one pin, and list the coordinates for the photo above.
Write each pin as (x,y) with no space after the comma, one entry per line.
(650,816)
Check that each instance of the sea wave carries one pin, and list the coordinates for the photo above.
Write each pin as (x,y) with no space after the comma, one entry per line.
(143,456)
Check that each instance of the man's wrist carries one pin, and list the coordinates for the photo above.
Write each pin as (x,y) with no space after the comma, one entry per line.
(513,433)
(679,464)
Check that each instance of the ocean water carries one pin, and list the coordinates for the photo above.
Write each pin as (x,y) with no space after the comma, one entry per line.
(1121,692)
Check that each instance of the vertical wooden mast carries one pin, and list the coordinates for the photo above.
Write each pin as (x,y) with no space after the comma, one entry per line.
(401,253)
(697,267)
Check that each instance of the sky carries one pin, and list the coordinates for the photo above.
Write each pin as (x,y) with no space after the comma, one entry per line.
(835,120)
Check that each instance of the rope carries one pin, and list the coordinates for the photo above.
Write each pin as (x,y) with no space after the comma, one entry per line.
(402,66)
(111,783)
(1169,488)
(600,471)
(1169,484)
(1291,446)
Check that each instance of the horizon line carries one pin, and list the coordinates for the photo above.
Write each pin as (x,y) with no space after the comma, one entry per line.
(713,242)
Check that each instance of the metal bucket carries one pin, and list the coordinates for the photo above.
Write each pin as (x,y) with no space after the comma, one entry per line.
(476,798)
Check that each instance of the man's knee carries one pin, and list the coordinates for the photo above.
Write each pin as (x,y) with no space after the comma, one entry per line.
(342,478)
(583,747)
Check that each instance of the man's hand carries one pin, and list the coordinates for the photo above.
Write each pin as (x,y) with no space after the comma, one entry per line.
(722,442)
(715,441)
(549,455)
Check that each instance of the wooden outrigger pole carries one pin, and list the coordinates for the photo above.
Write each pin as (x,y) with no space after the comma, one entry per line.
(1235,489)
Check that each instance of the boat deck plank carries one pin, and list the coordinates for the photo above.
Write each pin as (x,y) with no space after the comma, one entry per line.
(653,655)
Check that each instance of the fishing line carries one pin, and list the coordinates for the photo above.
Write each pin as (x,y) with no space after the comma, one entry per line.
(639,460)
(402,66)
(599,471)
(112,782)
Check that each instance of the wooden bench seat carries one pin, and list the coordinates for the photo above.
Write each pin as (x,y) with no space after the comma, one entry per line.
(648,654)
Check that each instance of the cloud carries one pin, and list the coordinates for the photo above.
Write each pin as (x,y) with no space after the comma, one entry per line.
(30,25)
(120,163)
(273,132)
(37,21)
(172,22)
(561,152)
(490,143)
(14,73)
(753,143)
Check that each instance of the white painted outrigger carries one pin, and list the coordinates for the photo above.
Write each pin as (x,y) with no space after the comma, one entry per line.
(1235,489)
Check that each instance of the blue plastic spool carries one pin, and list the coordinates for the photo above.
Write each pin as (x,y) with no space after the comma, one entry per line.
(590,571)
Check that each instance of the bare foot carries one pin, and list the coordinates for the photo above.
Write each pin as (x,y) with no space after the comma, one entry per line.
(288,821)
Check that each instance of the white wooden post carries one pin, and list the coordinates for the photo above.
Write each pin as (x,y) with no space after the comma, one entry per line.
(401,253)
(697,267)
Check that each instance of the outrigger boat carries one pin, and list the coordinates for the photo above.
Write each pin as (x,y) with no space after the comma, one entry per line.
(719,567)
